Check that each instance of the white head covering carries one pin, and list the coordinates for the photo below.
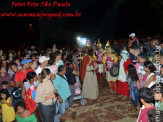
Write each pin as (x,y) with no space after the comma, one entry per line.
(132,34)
(124,55)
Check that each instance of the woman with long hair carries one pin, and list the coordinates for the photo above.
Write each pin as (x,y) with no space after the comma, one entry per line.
(8,113)
(150,68)
(55,61)
(132,79)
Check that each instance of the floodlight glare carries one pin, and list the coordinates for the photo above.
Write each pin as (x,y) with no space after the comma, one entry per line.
(78,38)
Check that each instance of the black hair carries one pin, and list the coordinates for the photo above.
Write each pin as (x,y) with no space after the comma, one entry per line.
(69,57)
(21,104)
(61,68)
(136,47)
(53,57)
(4,83)
(150,66)
(144,56)
(158,88)
(32,56)
(90,53)
(43,74)
(57,53)
(63,54)
(6,92)
(30,76)
(132,47)
(15,58)
(14,64)
(69,62)
(147,95)
(132,73)
(155,115)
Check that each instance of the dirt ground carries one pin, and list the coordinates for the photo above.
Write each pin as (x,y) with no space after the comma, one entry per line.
(107,108)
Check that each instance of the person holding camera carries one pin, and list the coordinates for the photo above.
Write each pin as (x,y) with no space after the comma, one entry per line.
(45,96)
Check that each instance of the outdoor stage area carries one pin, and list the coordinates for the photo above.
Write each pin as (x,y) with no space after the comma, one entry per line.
(107,108)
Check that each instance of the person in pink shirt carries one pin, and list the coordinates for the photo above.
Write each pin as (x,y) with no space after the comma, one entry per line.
(147,99)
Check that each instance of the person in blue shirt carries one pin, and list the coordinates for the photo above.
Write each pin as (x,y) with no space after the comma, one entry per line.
(62,87)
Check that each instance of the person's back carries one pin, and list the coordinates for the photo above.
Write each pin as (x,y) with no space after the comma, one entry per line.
(135,42)
(70,76)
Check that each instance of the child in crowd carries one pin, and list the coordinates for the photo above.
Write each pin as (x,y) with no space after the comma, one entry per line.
(158,95)
(132,78)
(142,57)
(8,113)
(23,114)
(4,85)
(147,99)
(4,76)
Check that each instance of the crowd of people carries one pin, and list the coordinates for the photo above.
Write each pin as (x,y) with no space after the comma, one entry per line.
(40,86)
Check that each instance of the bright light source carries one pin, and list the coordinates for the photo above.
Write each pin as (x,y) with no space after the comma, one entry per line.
(30,25)
(78,38)
(82,41)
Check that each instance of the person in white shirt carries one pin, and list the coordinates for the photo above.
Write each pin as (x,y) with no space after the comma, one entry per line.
(43,60)
(150,68)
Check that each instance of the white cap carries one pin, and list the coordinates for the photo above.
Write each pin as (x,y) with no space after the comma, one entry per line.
(43,58)
(132,34)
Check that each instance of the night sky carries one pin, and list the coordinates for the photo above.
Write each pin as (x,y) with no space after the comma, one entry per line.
(106,19)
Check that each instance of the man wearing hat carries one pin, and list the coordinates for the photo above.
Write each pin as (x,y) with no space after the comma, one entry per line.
(43,60)
(135,41)
(21,74)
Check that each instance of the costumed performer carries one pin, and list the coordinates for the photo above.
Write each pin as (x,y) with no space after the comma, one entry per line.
(88,76)
(122,85)
(100,55)
(109,60)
